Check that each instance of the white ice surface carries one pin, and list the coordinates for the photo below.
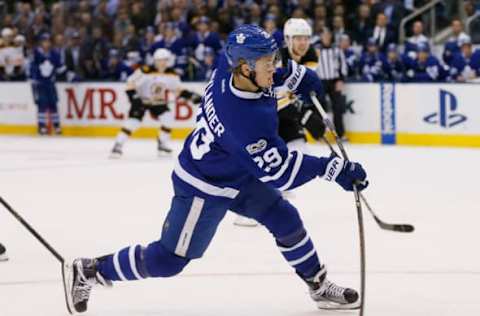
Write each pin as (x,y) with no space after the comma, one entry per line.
(87,205)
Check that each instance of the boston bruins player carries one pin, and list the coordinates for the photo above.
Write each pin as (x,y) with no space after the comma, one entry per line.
(153,89)
(294,116)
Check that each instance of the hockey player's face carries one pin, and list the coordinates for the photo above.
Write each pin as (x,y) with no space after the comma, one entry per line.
(161,64)
(264,69)
(300,45)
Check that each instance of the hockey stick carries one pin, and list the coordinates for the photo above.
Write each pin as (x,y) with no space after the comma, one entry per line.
(44,243)
(32,231)
(361,231)
(401,228)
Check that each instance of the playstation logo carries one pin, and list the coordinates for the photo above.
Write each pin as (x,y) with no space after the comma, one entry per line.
(446,117)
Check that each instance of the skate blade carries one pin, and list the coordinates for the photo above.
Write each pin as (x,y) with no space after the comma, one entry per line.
(3,257)
(332,306)
(115,156)
(163,154)
(245,222)
(67,278)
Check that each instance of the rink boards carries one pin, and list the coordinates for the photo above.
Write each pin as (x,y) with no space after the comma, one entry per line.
(405,114)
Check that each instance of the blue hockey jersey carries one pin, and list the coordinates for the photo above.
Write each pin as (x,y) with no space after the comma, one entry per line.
(466,67)
(236,138)
(45,66)
(373,67)
(429,71)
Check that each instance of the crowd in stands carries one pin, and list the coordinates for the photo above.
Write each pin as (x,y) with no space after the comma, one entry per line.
(108,39)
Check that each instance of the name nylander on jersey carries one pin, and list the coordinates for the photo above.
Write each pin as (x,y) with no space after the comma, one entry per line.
(236,138)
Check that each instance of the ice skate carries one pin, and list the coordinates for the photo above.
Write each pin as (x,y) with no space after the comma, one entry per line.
(78,281)
(330,296)
(42,131)
(116,151)
(245,221)
(163,148)
(3,253)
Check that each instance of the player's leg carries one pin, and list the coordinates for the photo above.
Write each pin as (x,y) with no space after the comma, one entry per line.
(187,231)
(135,116)
(53,110)
(165,116)
(3,253)
(282,219)
(41,102)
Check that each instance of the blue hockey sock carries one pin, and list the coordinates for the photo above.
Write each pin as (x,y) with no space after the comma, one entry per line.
(136,262)
(300,253)
(122,265)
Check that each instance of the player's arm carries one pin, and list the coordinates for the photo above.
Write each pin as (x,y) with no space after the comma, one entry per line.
(131,89)
(190,95)
(267,157)
(176,85)
(300,80)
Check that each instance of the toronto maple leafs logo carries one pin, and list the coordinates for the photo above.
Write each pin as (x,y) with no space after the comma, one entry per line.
(241,38)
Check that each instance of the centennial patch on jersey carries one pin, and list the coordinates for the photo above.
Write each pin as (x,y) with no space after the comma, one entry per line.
(257,147)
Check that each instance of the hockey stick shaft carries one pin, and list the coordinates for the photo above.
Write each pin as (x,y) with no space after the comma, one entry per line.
(358,205)
(32,231)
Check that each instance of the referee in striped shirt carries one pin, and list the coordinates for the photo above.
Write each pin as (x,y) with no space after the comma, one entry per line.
(332,70)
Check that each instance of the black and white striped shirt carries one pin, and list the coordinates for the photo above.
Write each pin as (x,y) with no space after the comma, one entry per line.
(331,63)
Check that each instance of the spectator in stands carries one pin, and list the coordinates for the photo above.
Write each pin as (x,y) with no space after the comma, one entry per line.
(382,33)
(465,65)
(338,28)
(270,25)
(72,58)
(205,67)
(395,64)
(452,46)
(373,64)
(411,45)
(225,23)
(115,69)
(361,25)
(45,66)
(255,14)
(351,57)
(203,38)
(425,68)
(393,10)
(145,44)
(172,40)
(94,50)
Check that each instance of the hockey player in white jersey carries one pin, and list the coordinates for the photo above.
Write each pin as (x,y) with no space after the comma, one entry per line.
(153,90)
(233,160)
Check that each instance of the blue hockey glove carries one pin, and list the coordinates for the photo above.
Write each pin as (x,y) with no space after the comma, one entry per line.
(345,173)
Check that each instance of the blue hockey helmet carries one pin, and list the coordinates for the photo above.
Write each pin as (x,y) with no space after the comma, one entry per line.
(249,42)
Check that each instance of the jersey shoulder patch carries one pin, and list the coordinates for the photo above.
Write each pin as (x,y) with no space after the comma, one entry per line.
(146,69)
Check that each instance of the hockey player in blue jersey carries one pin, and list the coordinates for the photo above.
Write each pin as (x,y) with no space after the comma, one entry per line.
(235,160)
(465,65)
(373,63)
(395,64)
(425,68)
(45,66)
